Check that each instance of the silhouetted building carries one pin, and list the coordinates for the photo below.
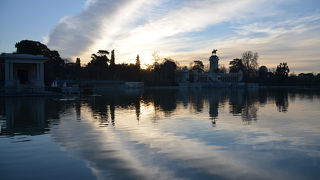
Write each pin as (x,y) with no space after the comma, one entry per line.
(22,72)
(214,62)
(212,77)
(215,76)
(182,75)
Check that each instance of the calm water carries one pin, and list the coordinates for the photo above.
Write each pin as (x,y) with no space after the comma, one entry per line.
(163,134)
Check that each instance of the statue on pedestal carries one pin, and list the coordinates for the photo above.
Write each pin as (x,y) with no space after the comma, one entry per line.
(214,52)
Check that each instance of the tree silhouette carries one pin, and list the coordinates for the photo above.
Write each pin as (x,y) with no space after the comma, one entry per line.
(236,65)
(53,67)
(138,63)
(78,62)
(100,59)
(32,47)
(250,60)
(198,66)
(222,69)
(263,73)
(103,52)
(162,72)
(112,58)
(97,67)
(282,71)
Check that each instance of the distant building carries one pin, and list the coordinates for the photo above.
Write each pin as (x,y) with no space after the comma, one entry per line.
(22,72)
(182,75)
(210,77)
(215,76)
(214,62)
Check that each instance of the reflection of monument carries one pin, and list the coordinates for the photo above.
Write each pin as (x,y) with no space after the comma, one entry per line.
(112,113)
(137,108)
(214,100)
(24,116)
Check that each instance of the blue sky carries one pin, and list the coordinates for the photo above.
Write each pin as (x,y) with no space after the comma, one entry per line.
(279,30)
(32,19)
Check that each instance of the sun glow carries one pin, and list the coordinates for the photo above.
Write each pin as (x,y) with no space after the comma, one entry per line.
(185,32)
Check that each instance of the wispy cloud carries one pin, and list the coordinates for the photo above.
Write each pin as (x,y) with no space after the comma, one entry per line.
(77,34)
(193,16)
(294,41)
(143,27)
(111,23)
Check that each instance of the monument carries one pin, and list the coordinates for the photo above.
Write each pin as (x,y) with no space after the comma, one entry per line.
(23,72)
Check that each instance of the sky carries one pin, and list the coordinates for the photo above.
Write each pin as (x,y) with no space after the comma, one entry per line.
(184,30)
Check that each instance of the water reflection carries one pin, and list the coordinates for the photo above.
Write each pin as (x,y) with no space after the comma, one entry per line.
(30,115)
(282,102)
(23,116)
(168,134)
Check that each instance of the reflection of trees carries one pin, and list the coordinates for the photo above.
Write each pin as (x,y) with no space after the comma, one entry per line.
(245,103)
(163,100)
(34,115)
(249,113)
(78,110)
(104,107)
(236,102)
(263,97)
(281,99)
(112,113)
(196,99)
(242,102)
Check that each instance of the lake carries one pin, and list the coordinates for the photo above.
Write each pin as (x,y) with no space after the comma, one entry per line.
(163,134)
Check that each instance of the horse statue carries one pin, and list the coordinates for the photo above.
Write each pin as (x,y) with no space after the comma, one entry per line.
(214,51)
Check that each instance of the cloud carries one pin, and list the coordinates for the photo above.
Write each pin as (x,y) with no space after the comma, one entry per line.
(77,34)
(136,153)
(111,23)
(186,30)
(292,41)
(162,35)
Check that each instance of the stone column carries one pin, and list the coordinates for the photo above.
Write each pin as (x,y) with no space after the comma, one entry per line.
(41,72)
(11,71)
(7,73)
(38,72)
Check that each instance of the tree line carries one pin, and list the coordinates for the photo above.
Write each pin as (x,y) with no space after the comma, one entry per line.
(279,76)
(102,66)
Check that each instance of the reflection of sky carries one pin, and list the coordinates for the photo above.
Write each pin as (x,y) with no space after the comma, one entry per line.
(37,157)
(183,144)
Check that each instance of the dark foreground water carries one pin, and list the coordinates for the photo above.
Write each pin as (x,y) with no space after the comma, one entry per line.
(163,134)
